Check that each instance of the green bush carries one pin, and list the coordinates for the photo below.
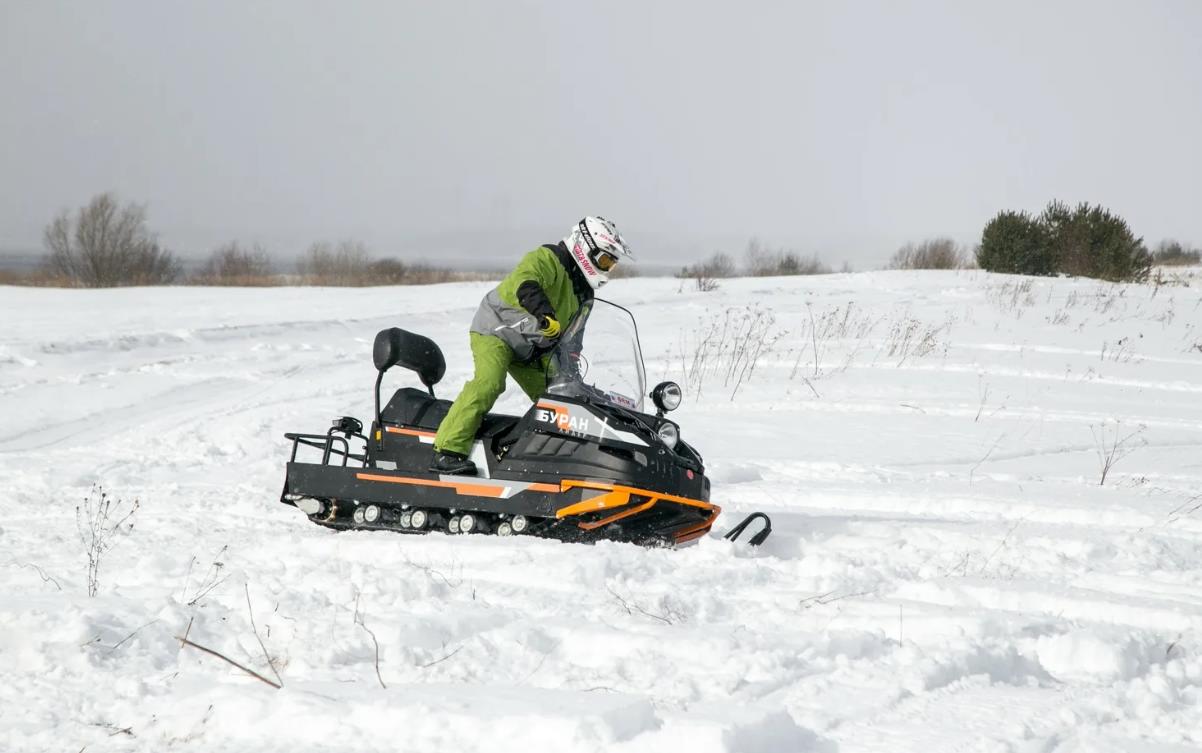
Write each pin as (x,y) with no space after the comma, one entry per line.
(1087,241)
(1015,243)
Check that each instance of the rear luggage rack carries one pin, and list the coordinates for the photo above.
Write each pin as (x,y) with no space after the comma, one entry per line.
(347,426)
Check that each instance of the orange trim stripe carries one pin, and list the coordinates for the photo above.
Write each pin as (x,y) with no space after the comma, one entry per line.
(462,488)
(409,432)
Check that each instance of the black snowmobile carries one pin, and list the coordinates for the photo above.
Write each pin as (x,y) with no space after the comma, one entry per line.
(583,464)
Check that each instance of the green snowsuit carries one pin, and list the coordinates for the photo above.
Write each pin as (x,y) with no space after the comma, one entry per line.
(505,339)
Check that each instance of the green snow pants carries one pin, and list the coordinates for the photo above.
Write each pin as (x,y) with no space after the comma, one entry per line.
(492,358)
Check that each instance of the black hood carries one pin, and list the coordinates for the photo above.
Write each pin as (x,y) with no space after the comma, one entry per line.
(580,286)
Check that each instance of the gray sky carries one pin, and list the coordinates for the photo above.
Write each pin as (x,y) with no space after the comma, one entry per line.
(479,129)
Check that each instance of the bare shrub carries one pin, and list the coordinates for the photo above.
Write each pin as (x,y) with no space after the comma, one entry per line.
(347,263)
(392,271)
(911,338)
(707,273)
(763,262)
(388,272)
(1119,351)
(728,345)
(212,578)
(1112,445)
(1173,279)
(42,277)
(1012,296)
(426,274)
(1174,253)
(1108,297)
(106,245)
(98,519)
(834,325)
(233,264)
(350,264)
(934,253)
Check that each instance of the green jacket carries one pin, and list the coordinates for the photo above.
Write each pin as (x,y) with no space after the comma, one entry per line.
(542,284)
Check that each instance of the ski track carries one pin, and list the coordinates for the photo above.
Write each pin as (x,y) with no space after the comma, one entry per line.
(946,573)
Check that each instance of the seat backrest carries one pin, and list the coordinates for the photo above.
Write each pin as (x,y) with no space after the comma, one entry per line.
(395,346)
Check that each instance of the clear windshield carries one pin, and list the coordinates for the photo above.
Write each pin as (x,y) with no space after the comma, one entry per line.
(598,356)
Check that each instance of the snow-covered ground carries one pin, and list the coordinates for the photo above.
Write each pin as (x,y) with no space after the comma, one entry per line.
(947,572)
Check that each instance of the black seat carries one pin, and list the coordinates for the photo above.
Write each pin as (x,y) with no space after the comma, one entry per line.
(422,355)
(412,407)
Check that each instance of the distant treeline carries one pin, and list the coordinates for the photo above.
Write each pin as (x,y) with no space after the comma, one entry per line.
(108,244)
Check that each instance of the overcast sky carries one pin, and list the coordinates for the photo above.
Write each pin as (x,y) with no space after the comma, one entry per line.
(479,129)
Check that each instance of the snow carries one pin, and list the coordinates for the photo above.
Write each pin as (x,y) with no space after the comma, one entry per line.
(946,570)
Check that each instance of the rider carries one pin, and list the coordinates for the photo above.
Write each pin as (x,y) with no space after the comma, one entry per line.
(517,325)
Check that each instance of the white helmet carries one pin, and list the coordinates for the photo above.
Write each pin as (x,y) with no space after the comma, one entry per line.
(596,246)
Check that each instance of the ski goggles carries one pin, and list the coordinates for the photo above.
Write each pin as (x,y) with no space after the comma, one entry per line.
(604,260)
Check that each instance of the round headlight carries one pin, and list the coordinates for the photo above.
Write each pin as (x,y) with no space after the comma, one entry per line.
(669,434)
(311,506)
(667,396)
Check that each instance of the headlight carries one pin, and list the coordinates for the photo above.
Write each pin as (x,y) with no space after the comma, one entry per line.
(666,396)
(669,434)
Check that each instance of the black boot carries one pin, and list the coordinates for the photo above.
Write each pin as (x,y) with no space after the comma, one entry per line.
(452,463)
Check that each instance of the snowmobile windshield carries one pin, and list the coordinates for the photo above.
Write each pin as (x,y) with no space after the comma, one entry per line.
(604,363)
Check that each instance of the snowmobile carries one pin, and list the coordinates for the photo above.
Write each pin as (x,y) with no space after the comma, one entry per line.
(584,463)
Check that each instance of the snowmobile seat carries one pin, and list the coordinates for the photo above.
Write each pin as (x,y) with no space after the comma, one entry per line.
(414,408)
